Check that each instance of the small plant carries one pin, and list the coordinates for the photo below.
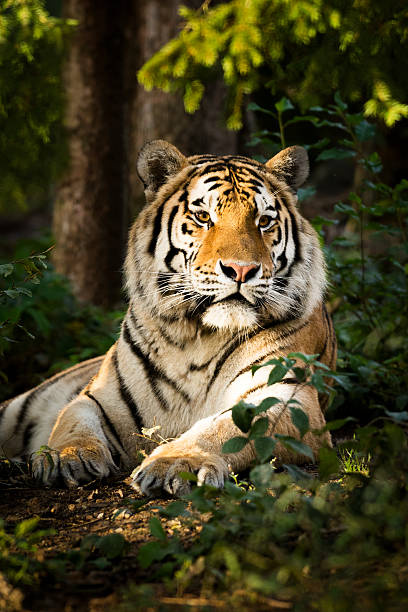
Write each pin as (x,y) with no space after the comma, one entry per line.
(18,549)
(354,462)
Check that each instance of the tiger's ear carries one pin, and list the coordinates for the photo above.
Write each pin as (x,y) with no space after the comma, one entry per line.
(158,160)
(290,165)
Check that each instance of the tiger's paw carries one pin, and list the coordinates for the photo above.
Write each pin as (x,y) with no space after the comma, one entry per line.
(73,465)
(161,472)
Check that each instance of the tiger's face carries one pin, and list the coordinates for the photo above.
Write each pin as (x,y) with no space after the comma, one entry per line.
(225,237)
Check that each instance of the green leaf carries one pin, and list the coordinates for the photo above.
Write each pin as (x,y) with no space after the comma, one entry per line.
(317,381)
(337,98)
(188,476)
(112,545)
(101,563)
(6,269)
(156,529)
(399,417)
(296,445)
(365,130)
(296,473)
(283,105)
(255,107)
(329,463)
(337,424)
(150,552)
(265,448)
(309,359)
(259,428)
(267,363)
(176,508)
(300,373)
(299,419)
(234,445)
(242,415)
(277,374)
(267,403)
(335,153)
(305,192)
(26,527)
(261,475)
(11,293)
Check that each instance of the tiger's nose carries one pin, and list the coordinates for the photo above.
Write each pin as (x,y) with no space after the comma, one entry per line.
(239,273)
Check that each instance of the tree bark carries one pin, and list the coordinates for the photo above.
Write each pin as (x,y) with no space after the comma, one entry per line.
(88,213)
(109,116)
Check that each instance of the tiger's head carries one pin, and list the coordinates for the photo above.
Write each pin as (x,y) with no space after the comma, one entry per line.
(221,239)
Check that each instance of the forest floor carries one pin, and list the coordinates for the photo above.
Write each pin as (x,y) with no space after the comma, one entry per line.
(100,508)
(96,508)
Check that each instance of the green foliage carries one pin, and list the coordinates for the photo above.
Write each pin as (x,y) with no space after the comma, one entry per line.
(31,140)
(308,47)
(21,564)
(297,538)
(41,323)
(17,551)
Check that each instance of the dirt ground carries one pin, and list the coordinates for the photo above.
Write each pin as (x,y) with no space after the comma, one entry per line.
(96,508)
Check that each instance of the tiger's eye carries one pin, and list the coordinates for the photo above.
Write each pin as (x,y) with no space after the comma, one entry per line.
(202,216)
(264,221)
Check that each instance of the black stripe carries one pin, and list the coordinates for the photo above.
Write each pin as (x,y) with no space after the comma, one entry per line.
(151,370)
(254,182)
(156,229)
(289,381)
(163,332)
(295,236)
(28,432)
(169,340)
(110,425)
(237,343)
(173,251)
(20,416)
(197,367)
(126,395)
(282,259)
(210,179)
(216,167)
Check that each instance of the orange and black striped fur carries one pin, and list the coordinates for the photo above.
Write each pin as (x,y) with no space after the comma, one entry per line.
(222,272)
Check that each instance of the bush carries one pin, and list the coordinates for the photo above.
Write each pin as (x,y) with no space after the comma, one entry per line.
(43,328)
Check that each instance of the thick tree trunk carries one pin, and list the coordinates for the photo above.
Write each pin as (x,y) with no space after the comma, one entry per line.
(88,214)
(109,117)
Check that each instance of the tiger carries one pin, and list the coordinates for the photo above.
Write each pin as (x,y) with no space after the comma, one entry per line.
(222,273)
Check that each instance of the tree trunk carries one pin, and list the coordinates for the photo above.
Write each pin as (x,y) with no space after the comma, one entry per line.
(88,214)
(109,117)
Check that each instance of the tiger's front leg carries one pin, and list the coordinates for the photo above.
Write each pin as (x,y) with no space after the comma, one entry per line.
(199,450)
(78,448)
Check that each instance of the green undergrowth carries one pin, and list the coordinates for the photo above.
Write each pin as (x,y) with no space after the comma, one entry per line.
(43,328)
